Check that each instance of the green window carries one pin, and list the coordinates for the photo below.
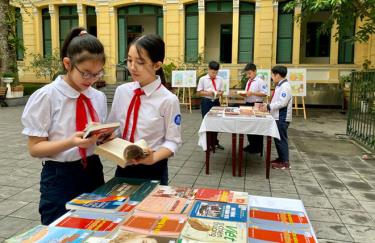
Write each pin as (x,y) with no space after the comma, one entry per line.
(68,20)
(284,35)
(124,31)
(346,47)
(191,32)
(19,35)
(246,33)
(91,20)
(46,28)
(219,7)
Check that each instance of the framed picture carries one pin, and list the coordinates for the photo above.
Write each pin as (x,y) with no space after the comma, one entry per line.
(184,79)
(297,80)
(225,74)
(265,74)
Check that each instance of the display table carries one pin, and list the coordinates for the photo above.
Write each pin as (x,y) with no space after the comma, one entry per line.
(241,125)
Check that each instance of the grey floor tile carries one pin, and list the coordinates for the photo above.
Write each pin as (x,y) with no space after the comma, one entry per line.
(10,226)
(208,180)
(362,233)
(257,185)
(338,193)
(30,211)
(348,204)
(284,195)
(323,214)
(315,201)
(309,190)
(27,195)
(368,206)
(9,206)
(190,171)
(356,218)
(8,191)
(283,188)
(331,231)
(258,193)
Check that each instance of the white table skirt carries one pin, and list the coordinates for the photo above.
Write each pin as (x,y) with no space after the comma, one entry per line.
(265,126)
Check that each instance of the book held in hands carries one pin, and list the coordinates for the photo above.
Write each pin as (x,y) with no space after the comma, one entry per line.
(122,151)
(98,128)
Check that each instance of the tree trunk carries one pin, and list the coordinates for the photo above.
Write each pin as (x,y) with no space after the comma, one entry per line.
(5,55)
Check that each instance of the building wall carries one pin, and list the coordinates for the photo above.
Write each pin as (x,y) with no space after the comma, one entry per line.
(319,70)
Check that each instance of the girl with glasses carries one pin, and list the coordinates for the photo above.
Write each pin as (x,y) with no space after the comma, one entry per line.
(147,110)
(54,119)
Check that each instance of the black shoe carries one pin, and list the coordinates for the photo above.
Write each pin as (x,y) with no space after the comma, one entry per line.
(218,146)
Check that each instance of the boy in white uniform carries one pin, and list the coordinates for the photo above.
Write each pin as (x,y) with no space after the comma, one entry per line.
(256,90)
(210,88)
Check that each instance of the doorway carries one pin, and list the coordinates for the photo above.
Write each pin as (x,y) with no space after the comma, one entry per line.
(226,43)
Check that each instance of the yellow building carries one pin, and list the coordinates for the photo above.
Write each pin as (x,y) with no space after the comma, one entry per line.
(232,32)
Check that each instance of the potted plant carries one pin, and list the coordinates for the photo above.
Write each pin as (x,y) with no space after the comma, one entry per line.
(7,77)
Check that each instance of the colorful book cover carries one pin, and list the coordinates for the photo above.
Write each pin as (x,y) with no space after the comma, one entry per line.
(111,187)
(174,191)
(165,205)
(155,224)
(220,195)
(128,207)
(219,211)
(95,202)
(278,216)
(101,223)
(207,230)
(47,234)
(261,233)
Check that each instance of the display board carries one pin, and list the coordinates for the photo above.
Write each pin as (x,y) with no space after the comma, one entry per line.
(265,74)
(225,74)
(297,81)
(184,79)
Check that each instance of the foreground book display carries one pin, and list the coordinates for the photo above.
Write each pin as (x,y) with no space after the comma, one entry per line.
(171,214)
(97,203)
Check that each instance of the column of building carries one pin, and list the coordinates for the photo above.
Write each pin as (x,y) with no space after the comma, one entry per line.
(172,29)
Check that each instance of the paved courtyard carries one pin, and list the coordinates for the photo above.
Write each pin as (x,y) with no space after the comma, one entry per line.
(328,174)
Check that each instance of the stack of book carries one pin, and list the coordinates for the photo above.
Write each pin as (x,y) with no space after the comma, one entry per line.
(131,210)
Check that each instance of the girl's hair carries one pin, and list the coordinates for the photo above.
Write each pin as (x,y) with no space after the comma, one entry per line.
(155,48)
(80,46)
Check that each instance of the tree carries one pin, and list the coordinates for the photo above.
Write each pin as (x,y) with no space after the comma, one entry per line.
(6,55)
(343,12)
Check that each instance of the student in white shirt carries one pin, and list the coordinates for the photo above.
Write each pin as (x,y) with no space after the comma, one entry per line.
(210,88)
(155,113)
(256,90)
(54,119)
(281,109)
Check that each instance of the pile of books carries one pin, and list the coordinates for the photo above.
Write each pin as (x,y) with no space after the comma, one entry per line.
(130,210)
(242,111)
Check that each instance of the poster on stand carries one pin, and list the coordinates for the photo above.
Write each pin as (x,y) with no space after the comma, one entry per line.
(265,74)
(184,79)
(297,80)
(225,74)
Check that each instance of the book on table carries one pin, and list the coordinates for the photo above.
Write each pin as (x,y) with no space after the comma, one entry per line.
(155,224)
(165,205)
(121,151)
(104,129)
(101,224)
(174,191)
(97,203)
(47,234)
(221,195)
(208,230)
(123,236)
(219,211)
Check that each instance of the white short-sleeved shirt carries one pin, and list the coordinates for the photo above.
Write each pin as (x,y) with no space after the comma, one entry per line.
(51,113)
(205,84)
(159,117)
(258,85)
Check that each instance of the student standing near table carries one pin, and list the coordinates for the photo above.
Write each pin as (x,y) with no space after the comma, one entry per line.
(147,110)
(281,109)
(210,88)
(256,89)
(54,119)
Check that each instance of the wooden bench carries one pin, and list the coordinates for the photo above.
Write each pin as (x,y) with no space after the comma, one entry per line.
(3,94)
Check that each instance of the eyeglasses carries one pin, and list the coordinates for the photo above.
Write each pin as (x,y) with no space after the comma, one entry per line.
(85,75)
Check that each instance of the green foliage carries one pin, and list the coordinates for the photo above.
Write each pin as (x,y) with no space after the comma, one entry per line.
(343,12)
(167,69)
(344,79)
(30,88)
(46,66)
(8,74)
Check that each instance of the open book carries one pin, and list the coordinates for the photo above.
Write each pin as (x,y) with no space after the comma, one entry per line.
(122,151)
(98,128)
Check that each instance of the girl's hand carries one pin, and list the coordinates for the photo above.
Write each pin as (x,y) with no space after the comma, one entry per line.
(248,93)
(148,160)
(78,141)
